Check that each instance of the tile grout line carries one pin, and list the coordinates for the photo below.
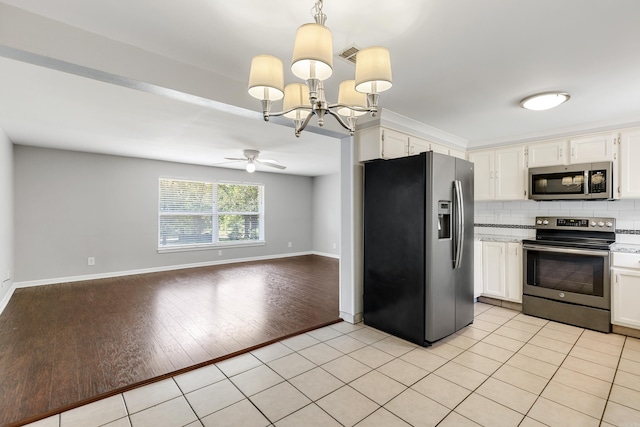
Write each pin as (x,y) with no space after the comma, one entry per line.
(552,376)
(613,380)
(394,357)
(491,375)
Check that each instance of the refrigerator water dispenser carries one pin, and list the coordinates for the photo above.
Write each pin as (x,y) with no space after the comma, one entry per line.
(444,219)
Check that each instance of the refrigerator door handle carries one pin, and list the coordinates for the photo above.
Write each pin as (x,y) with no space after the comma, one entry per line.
(459,214)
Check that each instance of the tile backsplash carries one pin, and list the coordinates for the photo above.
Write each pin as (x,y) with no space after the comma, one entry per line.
(517,218)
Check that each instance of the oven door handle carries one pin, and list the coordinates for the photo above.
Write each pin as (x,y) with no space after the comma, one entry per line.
(566,250)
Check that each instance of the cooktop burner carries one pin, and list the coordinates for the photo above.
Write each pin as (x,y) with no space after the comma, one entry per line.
(589,233)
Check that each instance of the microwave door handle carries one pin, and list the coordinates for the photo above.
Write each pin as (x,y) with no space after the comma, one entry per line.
(585,185)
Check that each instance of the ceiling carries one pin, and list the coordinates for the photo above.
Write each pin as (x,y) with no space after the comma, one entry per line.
(460,66)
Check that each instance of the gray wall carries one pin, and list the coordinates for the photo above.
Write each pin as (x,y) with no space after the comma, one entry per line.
(6,215)
(71,205)
(326,214)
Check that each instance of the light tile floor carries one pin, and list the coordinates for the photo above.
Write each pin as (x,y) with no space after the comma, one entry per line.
(507,369)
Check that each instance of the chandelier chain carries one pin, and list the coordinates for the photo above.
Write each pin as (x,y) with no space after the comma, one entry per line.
(317,8)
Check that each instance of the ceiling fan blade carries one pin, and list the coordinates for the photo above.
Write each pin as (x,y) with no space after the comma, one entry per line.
(267,161)
(238,159)
(272,165)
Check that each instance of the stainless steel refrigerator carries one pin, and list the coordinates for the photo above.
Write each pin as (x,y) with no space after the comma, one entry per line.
(418,246)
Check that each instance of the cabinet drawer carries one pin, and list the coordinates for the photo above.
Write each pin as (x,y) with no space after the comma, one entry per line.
(626,260)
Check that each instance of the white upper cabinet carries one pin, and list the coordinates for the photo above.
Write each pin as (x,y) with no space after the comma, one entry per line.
(393,144)
(583,149)
(596,148)
(483,187)
(458,153)
(499,174)
(510,173)
(549,153)
(629,165)
(437,148)
(379,142)
(417,145)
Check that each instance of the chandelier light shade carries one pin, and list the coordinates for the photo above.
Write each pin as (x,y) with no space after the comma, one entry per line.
(373,70)
(312,61)
(296,101)
(348,97)
(544,101)
(266,78)
(313,53)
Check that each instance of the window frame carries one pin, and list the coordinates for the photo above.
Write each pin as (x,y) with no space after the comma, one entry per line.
(215,214)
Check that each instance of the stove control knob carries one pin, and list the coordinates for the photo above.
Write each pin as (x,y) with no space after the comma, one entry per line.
(593,223)
(539,222)
(545,222)
(601,224)
(609,224)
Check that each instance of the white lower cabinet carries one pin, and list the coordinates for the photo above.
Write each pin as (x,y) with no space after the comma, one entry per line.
(477,268)
(502,270)
(625,290)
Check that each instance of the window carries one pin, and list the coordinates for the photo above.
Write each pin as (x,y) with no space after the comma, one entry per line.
(195,214)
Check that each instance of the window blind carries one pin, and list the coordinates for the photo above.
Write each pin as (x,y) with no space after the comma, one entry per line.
(197,213)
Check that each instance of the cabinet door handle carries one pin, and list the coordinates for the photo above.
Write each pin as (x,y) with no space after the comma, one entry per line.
(560,153)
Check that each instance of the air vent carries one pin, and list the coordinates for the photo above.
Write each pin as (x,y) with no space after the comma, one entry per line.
(349,54)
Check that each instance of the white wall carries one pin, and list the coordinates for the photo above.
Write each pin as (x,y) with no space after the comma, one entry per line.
(326,214)
(71,205)
(6,217)
(351,239)
(517,218)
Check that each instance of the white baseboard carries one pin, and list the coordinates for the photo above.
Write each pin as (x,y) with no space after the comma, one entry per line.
(326,254)
(351,318)
(7,297)
(56,280)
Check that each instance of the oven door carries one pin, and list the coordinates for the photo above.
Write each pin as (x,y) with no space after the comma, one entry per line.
(572,275)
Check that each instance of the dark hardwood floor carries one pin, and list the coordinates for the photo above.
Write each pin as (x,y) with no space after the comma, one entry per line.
(71,343)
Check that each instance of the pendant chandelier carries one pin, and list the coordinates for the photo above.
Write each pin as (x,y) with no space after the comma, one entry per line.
(313,62)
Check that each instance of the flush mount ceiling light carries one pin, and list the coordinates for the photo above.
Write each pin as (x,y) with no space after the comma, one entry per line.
(544,101)
(313,62)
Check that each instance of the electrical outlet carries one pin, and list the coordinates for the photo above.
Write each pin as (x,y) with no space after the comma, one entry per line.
(220,252)
(91,261)
(289,244)
(335,246)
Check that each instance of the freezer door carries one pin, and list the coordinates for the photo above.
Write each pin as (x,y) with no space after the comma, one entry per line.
(394,221)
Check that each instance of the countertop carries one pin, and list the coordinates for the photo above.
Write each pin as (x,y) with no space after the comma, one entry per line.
(498,238)
(625,247)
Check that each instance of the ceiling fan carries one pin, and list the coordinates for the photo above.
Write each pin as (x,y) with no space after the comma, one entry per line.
(251,157)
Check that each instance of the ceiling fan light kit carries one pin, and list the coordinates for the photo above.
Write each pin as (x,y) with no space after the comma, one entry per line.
(544,101)
(251,157)
(312,62)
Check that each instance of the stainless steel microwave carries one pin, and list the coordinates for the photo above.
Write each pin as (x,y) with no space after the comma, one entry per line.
(586,181)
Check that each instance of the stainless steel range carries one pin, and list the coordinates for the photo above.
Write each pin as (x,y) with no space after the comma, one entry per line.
(567,271)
